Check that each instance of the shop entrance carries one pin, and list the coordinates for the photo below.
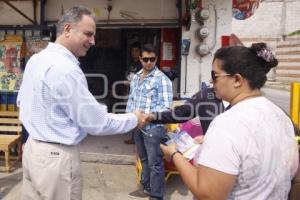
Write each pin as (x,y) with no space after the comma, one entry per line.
(108,62)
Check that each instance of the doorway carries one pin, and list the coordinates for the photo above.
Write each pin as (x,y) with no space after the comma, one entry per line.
(107,62)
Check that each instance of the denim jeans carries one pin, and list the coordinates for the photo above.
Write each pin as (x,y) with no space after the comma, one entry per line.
(151,157)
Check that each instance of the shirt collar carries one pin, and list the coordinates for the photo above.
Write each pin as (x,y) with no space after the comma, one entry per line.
(58,47)
(154,70)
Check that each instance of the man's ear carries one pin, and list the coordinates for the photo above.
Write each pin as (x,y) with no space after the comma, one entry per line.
(67,30)
(238,80)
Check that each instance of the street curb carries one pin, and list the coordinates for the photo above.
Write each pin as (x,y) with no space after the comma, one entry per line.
(108,158)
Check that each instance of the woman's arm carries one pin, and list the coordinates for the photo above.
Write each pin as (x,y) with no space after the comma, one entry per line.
(204,182)
(203,104)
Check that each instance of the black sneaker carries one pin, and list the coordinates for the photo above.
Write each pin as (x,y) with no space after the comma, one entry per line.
(140,193)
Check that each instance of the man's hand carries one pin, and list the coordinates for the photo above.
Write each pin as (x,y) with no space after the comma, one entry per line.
(150,117)
(142,118)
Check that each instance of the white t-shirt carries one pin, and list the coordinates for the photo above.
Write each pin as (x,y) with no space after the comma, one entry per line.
(255,141)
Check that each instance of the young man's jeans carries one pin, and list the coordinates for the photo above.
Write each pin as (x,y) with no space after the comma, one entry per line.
(151,157)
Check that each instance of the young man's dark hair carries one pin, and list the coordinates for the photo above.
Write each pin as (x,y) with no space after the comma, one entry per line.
(149,48)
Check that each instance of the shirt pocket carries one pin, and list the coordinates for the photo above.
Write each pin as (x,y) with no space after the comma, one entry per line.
(150,92)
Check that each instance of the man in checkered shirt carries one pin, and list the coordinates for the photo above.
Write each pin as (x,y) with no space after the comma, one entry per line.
(150,91)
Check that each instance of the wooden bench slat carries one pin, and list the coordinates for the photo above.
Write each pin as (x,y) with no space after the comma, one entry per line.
(9,113)
(10,128)
(9,121)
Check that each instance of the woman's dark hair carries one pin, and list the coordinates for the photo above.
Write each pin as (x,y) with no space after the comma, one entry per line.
(252,63)
(149,48)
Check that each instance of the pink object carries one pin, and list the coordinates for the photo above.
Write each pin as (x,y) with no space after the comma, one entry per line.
(235,41)
(192,128)
(225,40)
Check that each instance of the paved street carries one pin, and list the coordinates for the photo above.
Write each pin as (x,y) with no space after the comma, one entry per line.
(110,181)
(101,182)
(279,97)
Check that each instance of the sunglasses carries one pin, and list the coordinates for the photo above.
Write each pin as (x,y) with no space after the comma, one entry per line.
(146,59)
(214,75)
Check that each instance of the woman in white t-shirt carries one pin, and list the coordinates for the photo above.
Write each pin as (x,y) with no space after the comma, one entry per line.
(249,152)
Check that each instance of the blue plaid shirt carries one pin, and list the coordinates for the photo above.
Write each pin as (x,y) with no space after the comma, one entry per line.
(153,94)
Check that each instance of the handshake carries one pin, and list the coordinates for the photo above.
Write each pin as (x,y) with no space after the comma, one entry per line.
(143,119)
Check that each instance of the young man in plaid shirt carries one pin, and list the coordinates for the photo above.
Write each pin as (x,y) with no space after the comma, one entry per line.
(150,91)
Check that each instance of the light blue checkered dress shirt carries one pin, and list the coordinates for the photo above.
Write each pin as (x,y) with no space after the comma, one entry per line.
(56,105)
(153,94)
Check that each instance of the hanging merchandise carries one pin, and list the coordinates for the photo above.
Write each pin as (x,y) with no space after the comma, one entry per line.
(11,54)
(243,9)
(35,44)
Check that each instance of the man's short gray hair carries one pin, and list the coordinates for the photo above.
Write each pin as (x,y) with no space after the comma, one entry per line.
(73,16)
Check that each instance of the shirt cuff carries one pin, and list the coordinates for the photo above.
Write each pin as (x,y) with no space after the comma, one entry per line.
(133,119)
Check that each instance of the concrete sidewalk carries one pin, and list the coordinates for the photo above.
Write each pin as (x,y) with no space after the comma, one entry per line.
(108,172)
(107,150)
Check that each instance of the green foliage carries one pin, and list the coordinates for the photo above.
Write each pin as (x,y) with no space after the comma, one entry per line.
(294,33)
